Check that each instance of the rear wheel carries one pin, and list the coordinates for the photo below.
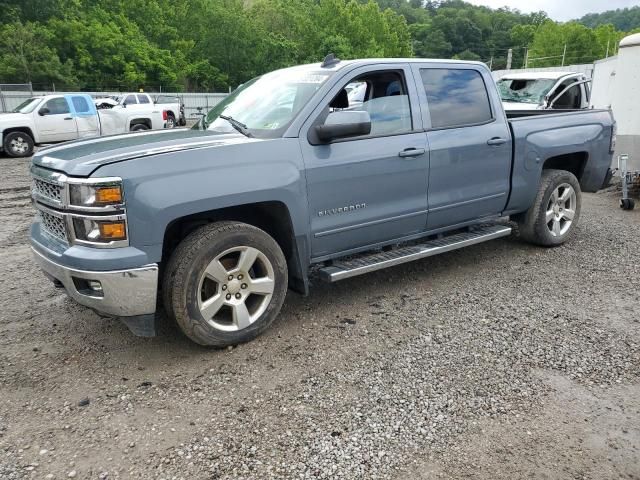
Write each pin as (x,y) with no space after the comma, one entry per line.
(225,283)
(555,212)
(171,121)
(18,144)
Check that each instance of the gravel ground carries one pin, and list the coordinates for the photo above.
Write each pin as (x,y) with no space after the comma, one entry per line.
(500,361)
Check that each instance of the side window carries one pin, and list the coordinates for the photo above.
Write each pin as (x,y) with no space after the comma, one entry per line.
(80,105)
(57,106)
(130,100)
(384,96)
(572,98)
(456,97)
(143,99)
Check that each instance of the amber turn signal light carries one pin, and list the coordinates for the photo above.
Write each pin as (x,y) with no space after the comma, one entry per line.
(108,195)
(113,230)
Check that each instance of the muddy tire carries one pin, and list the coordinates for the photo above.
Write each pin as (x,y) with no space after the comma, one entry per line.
(552,218)
(225,283)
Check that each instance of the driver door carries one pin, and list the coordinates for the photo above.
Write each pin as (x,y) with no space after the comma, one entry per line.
(369,189)
(54,121)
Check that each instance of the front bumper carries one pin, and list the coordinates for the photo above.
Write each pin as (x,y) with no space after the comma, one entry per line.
(125,293)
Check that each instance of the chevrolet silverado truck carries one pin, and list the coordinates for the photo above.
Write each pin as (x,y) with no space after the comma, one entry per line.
(286,180)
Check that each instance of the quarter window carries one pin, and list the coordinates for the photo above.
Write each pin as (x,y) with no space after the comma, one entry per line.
(456,97)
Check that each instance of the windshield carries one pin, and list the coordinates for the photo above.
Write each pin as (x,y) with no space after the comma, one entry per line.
(524,90)
(266,105)
(27,106)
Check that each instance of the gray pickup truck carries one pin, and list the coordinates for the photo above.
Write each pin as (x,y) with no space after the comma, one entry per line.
(285,179)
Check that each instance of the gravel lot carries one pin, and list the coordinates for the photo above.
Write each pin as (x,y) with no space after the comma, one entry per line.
(500,361)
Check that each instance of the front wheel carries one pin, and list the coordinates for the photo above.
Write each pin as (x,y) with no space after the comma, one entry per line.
(552,218)
(18,144)
(139,127)
(225,283)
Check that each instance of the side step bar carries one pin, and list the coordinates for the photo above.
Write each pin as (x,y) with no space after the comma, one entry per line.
(377,261)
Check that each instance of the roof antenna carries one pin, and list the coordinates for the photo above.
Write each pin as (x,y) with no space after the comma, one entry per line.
(329,61)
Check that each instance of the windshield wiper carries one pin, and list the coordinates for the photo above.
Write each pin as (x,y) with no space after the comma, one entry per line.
(239,126)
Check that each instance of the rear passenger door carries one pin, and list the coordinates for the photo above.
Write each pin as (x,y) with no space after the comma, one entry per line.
(85,114)
(469,143)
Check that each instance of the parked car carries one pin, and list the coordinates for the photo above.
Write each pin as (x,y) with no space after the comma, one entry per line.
(47,119)
(175,110)
(544,90)
(217,221)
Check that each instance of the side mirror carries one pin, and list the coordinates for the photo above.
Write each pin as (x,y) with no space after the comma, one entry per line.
(44,111)
(344,124)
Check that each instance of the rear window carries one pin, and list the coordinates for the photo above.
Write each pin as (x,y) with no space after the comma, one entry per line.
(456,97)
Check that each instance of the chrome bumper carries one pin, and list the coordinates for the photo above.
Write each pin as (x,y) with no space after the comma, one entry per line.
(125,293)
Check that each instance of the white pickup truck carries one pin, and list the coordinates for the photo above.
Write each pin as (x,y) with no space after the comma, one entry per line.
(142,103)
(544,91)
(59,118)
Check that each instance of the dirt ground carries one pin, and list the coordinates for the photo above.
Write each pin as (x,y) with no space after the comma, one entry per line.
(501,361)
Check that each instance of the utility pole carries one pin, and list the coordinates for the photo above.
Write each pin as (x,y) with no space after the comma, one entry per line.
(509,58)
(526,57)
(564,54)
(606,55)
(491,63)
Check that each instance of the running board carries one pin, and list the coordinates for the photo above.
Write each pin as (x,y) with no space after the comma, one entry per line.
(377,261)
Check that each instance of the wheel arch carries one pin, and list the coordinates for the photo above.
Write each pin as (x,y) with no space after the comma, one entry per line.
(574,162)
(140,121)
(26,130)
(271,216)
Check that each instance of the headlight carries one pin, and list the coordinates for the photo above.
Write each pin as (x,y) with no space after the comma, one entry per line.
(92,195)
(96,230)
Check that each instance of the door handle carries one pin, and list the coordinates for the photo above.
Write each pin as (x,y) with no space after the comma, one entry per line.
(496,141)
(68,118)
(411,152)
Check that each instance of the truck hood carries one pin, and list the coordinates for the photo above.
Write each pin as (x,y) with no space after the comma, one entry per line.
(82,157)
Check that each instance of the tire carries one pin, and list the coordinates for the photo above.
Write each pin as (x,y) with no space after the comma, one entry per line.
(627,204)
(171,121)
(208,263)
(138,127)
(18,144)
(552,218)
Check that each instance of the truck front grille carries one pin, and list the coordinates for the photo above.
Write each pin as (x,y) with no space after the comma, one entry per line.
(48,190)
(54,225)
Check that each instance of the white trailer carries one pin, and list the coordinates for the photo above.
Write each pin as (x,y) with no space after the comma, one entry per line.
(616,85)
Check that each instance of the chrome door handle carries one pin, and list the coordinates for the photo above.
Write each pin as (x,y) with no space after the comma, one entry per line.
(497,141)
(411,152)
